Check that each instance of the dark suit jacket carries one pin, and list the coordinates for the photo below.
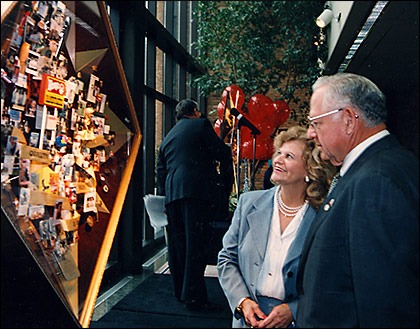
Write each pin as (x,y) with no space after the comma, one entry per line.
(360,262)
(187,159)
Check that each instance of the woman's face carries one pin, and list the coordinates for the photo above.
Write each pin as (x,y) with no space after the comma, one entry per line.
(288,164)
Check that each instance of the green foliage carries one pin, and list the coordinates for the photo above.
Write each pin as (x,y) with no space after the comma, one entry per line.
(257,45)
(233,203)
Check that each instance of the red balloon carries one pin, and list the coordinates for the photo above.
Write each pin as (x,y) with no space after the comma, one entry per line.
(216,126)
(259,106)
(263,142)
(281,112)
(262,111)
(263,145)
(221,109)
(236,94)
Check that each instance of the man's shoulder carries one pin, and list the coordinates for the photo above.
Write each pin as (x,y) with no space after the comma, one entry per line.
(391,151)
(193,122)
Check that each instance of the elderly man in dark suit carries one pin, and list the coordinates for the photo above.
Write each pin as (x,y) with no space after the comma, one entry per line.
(192,161)
(360,261)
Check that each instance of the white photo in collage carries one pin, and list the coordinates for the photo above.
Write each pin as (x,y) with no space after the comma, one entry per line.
(24,196)
(32,63)
(94,89)
(89,203)
(98,125)
(36,211)
(24,173)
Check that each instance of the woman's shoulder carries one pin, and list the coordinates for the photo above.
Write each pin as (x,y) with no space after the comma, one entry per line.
(255,195)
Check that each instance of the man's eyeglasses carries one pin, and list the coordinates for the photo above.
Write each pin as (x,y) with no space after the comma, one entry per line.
(312,119)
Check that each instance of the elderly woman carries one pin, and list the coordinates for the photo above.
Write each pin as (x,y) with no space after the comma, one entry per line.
(261,250)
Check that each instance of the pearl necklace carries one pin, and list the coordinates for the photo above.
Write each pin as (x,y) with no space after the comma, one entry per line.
(285,210)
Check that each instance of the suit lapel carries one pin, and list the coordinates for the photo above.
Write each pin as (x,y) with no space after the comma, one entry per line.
(259,220)
(296,246)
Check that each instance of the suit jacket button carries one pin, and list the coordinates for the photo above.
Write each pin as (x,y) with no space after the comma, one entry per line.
(289,274)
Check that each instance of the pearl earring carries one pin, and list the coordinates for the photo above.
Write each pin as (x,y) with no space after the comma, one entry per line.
(307,180)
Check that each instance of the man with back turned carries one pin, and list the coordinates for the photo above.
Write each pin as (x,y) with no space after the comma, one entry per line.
(360,261)
(190,159)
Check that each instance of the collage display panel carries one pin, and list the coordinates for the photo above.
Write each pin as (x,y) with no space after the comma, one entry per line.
(69,139)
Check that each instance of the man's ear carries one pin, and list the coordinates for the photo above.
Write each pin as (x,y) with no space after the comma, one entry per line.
(351,120)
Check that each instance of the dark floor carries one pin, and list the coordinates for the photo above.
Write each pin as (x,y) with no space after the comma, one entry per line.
(146,301)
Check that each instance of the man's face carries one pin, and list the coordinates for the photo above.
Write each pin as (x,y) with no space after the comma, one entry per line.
(327,129)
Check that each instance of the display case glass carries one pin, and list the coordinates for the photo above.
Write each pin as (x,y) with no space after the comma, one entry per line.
(69,140)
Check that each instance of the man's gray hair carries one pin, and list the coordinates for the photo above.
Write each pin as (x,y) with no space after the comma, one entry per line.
(349,89)
(185,107)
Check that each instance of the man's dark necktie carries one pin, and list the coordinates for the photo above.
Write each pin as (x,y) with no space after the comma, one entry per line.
(334,182)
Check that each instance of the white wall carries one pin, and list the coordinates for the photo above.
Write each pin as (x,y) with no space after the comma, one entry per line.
(335,27)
